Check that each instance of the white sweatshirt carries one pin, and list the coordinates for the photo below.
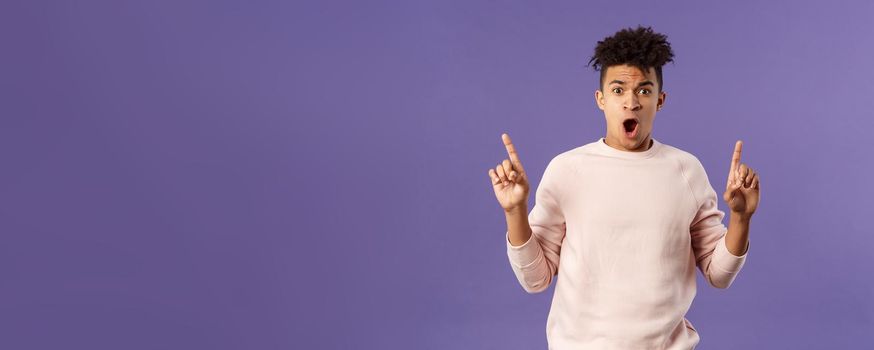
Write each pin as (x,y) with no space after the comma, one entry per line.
(624,232)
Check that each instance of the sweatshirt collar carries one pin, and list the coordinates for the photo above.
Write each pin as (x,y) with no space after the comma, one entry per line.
(605,149)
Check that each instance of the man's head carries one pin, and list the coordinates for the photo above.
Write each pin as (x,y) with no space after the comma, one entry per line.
(631,88)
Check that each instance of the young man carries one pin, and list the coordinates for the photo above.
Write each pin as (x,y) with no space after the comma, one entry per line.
(624,221)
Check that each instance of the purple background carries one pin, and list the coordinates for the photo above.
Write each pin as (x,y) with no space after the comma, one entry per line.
(313,175)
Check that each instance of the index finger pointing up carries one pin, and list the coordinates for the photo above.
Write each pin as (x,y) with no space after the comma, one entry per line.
(735,158)
(511,151)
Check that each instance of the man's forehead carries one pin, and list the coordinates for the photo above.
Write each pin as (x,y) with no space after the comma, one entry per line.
(628,73)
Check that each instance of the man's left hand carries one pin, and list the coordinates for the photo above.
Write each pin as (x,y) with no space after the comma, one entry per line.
(742,188)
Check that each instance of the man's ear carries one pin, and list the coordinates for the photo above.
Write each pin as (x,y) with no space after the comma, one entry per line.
(599,99)
(662,96)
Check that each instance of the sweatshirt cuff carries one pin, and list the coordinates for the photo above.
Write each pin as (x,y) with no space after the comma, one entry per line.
(526,254)
(725,260)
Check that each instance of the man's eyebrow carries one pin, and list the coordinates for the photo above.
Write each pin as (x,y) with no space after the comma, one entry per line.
(620,82)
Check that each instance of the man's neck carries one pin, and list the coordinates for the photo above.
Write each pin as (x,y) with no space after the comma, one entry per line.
(649,143)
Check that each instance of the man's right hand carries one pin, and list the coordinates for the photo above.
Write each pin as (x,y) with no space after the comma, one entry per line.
(509,180)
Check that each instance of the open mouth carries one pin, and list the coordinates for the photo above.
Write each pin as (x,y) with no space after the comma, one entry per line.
(631,127)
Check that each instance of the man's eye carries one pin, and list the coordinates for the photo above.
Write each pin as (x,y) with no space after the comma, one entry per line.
(617,90)
(645,91)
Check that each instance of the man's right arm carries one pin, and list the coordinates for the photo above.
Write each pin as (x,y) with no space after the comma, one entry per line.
(517,225)
(534,239)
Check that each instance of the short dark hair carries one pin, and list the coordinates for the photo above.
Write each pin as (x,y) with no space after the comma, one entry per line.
(639,47)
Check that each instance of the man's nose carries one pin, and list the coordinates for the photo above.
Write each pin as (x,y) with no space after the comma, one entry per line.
(632,103)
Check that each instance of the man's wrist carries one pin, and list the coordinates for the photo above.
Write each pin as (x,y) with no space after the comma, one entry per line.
(519,209)
(740,217)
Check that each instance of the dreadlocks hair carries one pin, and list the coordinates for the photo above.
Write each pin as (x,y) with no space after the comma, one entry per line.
(640,47)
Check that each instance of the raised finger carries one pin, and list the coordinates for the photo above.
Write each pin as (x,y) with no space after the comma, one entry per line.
(511,151)
(735,158)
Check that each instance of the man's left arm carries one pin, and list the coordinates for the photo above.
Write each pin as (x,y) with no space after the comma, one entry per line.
(737,239)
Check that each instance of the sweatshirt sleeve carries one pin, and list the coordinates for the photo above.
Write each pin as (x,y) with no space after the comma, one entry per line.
(536,261)
(719,266)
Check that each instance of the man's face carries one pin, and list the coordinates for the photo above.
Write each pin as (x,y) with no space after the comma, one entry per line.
(629,100)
